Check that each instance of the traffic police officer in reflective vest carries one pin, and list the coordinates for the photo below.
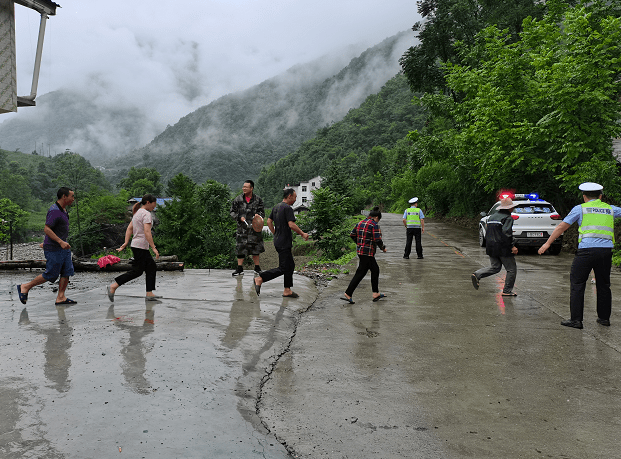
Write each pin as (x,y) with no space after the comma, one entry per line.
(595,242)
(414,221)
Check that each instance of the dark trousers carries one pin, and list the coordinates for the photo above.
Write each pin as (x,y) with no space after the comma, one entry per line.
(286,266)
(496,264)
(413,233)
(365,263)
(143,263)
(600,261)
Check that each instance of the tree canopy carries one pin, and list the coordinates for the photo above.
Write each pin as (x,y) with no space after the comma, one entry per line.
(141,181)
(540,112)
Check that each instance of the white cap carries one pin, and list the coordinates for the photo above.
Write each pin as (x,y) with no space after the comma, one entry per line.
(413,200)
(590,186)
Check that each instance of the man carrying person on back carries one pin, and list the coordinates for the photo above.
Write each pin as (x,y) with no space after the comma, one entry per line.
(500,247)
(245,207)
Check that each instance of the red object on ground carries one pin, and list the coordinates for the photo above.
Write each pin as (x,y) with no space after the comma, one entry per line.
(107,260)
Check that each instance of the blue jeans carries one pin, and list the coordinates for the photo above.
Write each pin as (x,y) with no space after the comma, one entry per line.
(58,263)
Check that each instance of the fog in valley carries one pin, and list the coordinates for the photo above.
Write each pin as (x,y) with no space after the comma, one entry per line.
(114,76)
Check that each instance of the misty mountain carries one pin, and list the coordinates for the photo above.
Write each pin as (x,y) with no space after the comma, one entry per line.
(100,125)
(233,137)
(79,122)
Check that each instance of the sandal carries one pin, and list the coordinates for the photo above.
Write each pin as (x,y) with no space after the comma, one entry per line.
(23,297)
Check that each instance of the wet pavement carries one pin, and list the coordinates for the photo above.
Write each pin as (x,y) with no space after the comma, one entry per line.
(436,370)
(441,370)
(172,379)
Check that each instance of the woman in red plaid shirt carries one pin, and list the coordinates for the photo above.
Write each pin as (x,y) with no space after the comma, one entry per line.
(367,235)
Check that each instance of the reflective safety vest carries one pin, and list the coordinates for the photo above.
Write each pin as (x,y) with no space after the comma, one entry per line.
(597,221)
(412,217)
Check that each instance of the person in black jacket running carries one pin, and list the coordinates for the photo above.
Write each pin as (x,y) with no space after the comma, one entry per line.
(500,247)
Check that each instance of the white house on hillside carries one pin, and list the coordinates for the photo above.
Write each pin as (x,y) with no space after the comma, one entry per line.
(303,190)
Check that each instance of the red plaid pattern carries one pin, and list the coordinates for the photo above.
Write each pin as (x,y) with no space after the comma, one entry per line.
(367,235)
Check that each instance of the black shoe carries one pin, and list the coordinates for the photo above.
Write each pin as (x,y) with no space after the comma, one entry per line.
(257,269)
(572,323)
(406,257)
(420,258)
(475,281)
(238,272)
(604,322)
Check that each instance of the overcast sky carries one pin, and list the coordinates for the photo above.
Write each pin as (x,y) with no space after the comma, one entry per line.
(171,57)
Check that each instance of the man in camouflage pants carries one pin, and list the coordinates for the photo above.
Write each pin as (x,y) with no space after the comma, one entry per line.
(249,242)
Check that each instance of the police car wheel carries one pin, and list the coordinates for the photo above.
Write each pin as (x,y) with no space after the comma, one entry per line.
(481,237)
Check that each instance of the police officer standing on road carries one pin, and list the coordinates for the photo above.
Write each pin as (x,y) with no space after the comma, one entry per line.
(414,221)
(500,247)
(595,243)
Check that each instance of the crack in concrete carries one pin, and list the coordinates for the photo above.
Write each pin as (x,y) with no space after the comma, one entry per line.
(268,375)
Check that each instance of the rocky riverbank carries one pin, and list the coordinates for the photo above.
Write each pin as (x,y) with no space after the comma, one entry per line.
(24,251)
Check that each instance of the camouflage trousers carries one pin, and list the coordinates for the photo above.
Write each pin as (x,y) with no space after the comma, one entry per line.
(249,243)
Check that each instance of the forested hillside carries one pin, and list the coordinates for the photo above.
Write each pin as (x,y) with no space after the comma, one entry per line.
(233,137)
(31,181)
(522,96)
(28,184)
(382,120)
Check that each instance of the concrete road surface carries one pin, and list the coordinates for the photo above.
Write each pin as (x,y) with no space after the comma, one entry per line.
(172,379)
(435,370)
(441,370)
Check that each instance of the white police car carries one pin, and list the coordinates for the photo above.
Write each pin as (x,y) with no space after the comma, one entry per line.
(534,221)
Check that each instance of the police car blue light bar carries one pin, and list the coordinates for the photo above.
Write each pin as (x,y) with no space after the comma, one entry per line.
(529,196)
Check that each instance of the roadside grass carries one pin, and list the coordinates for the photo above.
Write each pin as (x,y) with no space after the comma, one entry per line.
(35,224)
(36,220)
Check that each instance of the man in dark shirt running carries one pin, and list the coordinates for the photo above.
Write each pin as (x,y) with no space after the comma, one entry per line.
(500,247)
(56,249)
(281,222)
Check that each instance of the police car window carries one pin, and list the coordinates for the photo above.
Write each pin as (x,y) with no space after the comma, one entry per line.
(533,209)
(493,209)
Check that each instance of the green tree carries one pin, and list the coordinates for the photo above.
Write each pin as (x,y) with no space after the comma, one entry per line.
(217,235)
(99,212)
(536,112)
(196,225)
(447,21)
(141,181)
(174,232)
(76,173)
(326,220)
(10,212)
(16,188)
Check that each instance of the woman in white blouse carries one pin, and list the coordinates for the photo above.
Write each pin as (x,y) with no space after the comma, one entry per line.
(140,228)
